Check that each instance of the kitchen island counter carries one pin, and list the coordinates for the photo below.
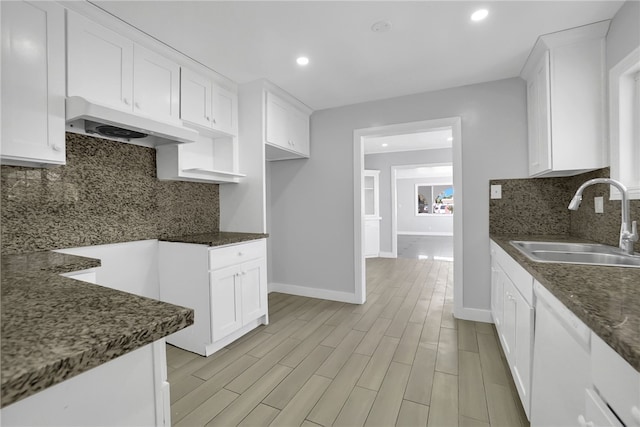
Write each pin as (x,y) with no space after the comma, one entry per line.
(604,298)
(54,327)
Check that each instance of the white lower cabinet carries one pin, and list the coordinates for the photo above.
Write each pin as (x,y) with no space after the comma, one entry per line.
(226,286)
(130,390)
(513,314)
(617,384)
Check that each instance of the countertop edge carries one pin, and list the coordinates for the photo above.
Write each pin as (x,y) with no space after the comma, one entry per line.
(615,341)
(47,266)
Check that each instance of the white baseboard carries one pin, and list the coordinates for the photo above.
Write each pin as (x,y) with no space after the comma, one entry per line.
(475,314)
(426,233)
(304,291)
(387,255)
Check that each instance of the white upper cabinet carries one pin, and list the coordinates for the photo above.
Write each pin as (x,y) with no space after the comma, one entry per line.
(32,84)
(112,70)
(99,63)
(156,84)
(566,102)
(287,129)
(206,103)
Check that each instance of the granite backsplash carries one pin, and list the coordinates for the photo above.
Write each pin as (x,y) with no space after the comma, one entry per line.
(539,206)
(106,193)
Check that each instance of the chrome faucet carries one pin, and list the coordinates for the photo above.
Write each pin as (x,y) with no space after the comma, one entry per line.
(628,229)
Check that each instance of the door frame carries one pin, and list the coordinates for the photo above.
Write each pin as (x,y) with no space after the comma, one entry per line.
(394,201)
(455,123)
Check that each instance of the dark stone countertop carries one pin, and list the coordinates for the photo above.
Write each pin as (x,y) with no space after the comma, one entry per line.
(54,327)
(606,299)
(219,238)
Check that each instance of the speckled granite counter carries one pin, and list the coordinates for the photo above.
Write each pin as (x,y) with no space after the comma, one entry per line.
(54,328)
(606,299)
(216,239)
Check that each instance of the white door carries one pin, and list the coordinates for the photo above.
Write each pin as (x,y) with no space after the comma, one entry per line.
(195,98)
(254,290)
(299,128)
(371,213)
(156,85)
(539,116)
(99,63)
(277,132)
(224,110)
(33,82)
(226,308)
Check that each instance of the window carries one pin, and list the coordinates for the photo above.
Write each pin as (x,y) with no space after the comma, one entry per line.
(434,199)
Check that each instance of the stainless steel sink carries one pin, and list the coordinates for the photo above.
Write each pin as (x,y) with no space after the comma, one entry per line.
(576,253)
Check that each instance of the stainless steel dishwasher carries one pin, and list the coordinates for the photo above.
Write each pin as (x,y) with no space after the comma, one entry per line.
(561,365)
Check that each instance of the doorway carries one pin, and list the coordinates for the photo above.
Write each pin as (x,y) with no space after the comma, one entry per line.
(360,135)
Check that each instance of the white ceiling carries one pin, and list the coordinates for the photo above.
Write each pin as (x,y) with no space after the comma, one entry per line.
(408,142)
(432,45)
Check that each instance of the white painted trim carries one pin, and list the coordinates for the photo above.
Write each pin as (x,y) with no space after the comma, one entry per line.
(458,230)
(630,64)
(387,255)
(305,291)
(455,123)
(474,314)
(394,211)
(425,233)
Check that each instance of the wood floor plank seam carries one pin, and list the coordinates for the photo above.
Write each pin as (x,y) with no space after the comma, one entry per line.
(399,359)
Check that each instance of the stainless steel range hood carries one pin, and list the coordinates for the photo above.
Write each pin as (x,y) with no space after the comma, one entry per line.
(88,118)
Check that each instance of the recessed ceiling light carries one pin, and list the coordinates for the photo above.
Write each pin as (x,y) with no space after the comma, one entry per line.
(450,138)
(385,145)
(302,60)
(381,27)
(479,14)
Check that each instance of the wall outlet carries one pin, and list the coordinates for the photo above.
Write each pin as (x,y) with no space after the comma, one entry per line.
(496,191)
(598,203)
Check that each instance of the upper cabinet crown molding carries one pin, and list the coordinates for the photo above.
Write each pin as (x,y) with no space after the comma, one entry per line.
(33,112)
(566,101)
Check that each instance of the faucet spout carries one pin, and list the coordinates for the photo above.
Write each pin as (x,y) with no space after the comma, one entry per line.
(628,229)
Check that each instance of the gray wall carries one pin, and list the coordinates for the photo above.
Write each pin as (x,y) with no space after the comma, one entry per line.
(408,221)
(383,163)
(312,224)
(624,33)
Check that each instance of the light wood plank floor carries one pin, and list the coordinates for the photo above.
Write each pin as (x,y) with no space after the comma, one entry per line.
(400,359)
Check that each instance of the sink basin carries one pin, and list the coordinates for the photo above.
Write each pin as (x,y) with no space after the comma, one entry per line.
(576,253)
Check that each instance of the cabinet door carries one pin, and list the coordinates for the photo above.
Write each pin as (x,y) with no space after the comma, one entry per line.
(225,110)
(226,300)
(508,334)
(539,118)
(156,85)
(277,121)
(99,63)
(32,83)
(254,290)
(299,128)
(195,98)
(522,353)
(497,296)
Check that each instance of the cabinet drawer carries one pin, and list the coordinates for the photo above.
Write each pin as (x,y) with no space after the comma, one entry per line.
(236,254)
